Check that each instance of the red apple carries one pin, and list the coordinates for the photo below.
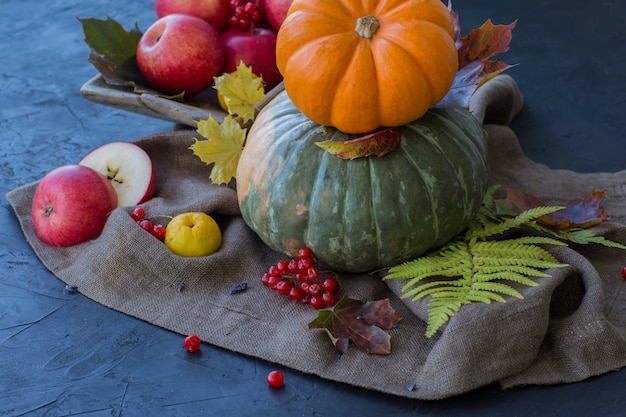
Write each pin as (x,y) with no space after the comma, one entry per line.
(71,205)
(256,49)
(180,53)
(127,167)
(215,12)
(276,11)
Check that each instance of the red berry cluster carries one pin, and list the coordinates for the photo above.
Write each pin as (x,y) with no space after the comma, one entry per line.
(300,280)
(245,14)
(155,229)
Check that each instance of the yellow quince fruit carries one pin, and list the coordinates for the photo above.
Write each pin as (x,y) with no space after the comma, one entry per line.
(193,234)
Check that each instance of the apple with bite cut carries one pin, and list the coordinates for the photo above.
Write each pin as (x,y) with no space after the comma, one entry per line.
(215,12)
(180,53)
(257,49)
(276,12)
(71,205)
(128,168)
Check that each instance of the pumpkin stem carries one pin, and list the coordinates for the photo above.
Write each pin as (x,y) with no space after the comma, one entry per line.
(366,26)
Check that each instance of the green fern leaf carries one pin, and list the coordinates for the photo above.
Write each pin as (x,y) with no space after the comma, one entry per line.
(438,315)
(577,235)
(476,266)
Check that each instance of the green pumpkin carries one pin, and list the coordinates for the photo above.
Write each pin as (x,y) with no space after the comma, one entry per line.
(366,213)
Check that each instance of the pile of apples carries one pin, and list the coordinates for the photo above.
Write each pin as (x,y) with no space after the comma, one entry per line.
(194,41)
(72,203)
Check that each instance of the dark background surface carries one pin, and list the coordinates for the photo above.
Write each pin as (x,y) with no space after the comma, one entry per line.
(63,354)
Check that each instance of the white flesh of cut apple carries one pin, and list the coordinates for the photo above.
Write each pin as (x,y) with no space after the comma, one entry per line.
(128,168)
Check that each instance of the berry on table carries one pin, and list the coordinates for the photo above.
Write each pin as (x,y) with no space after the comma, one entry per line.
(276,379)
(192,343)
(624,272)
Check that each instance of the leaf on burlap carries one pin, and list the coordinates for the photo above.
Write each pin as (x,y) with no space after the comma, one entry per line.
(579,213)
(222,147)
(377,143)
(112,50)
(363,323)
(476,66)
(241,91)
(478,266)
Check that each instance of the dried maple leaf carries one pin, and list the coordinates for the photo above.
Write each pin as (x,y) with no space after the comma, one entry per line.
(476,66)
(579,213)
(364,323)
(222,147)
(112,50)
(241,90)
(378,143)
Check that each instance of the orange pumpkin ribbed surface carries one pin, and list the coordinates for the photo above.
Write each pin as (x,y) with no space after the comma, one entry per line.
(358,65)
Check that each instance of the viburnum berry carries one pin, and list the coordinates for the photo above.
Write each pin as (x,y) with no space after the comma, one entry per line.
(329,284)
(305,252)
(147,225)
(138,214)
(624,272)
(317,302)
(330,299)
(158,231)
(275,379)
(302,281)
(296,294)
(283,287)
(192,343)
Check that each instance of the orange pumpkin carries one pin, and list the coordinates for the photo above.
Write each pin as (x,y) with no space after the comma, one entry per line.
(358,65)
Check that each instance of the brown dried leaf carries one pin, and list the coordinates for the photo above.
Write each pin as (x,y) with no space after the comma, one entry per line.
(476,66)
(377,143)
(579,213)
(364,323)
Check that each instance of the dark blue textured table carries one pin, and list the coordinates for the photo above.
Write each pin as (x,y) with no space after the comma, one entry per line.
(63,354)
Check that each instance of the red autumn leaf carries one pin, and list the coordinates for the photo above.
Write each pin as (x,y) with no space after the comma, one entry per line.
(579,213)
(377,143)
(476,66)
(363,323)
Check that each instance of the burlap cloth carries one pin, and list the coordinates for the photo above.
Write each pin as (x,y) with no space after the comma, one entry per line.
(570,327)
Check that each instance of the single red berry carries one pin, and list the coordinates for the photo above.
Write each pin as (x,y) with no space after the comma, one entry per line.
(305,252)
(315,289)
(329,284)
(283,287)
(292,266)
(330,299)
(316,301)
(313,273)
(158,231)
(272,280)
(273,270)
(192,343)
(296,294)
(147,225)
(138,214)
(276,379)
(305,263)
(624,272)
(281,266)
(301,277)
(304,286)
(265,279)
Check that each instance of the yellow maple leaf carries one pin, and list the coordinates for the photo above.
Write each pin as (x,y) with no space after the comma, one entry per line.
(222,147)
(241,90)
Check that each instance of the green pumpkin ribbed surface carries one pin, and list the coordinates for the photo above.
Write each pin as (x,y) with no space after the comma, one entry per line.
(370,212)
